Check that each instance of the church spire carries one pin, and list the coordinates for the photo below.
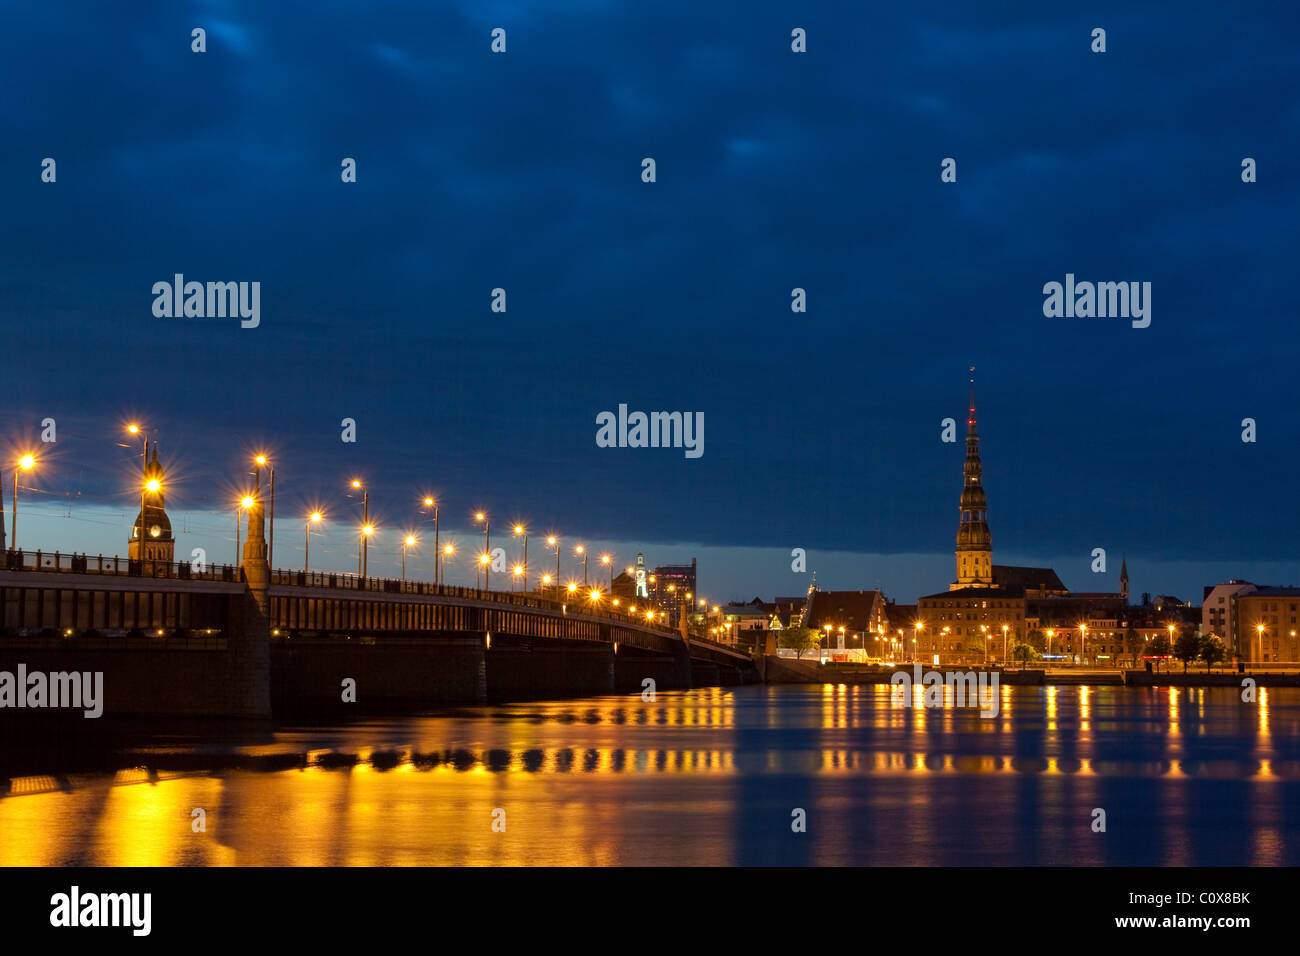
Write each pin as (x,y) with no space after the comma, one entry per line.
(974,542)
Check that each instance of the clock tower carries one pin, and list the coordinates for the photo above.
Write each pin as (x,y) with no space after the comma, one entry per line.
(151,535)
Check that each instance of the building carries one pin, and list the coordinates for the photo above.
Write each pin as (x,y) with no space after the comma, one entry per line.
(974,541)
(667,588)
(969,625)
(850,620)
(1265,624)
(151,534)
(1217,607)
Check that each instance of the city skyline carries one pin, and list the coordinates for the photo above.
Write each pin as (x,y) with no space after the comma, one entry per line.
(735,572)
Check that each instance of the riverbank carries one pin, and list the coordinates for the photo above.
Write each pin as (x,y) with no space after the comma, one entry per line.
(780,670)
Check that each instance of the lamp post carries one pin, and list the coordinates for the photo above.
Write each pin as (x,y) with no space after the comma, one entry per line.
(1083,641)
(1259,638)
(483,562)
(606,560)
(313,518)
(984,633)
(486,560)
(437,548)
(366,531)
(447,551)
(521,530)
(1050,633)
(1004,645)
(554,542)
(363,550)
(407,542)
(270,547)
(583,551)
(27,463)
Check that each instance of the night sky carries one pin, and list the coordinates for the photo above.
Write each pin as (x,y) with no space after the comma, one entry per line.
(775,170)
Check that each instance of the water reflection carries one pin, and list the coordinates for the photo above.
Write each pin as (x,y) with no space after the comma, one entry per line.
(1187,777)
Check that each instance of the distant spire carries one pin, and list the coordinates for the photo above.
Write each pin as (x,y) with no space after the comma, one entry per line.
(970,419)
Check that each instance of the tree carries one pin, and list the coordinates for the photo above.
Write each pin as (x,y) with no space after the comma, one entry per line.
(1036,640)
(1212,650)
(1159,646)
(1024,653)
(1187,647)
(799,639)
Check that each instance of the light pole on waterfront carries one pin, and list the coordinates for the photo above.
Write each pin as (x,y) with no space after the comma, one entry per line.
(554,542)
(1083,642)
(313,518)
(447,551)
(608,561)
(917,627)
(1004,645)
(483,562)
(583,551)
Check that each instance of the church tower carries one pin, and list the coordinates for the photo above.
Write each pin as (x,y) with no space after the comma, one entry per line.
(641,590)
(974,542)
(1123,578)
(151,535)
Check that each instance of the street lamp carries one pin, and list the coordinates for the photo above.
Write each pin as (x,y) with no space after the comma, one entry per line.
(521,530)
(1050,633)
(407,542)
(606,560)
(554,542)
(260,460)
(583,551)
(437,548)
(313,518)
(447,551)
(363,544)
(1004,645)
(27,463)
(1083,641)
(1259,634)
(519,575)
(486,561)
(483,562)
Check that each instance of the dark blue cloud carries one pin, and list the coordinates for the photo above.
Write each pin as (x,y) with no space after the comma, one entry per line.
(775,171)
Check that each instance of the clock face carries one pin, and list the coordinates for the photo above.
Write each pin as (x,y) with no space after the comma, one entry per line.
(155,531)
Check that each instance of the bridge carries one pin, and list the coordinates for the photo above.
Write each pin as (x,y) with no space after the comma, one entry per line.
(246,641)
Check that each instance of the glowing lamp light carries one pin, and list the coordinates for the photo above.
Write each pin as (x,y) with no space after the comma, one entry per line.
(246,501)
(153,484)
(410,539)
(368,530)
(316,516)
(27,462)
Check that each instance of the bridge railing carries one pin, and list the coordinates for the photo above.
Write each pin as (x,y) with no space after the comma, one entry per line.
(347,581)
(56,562)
